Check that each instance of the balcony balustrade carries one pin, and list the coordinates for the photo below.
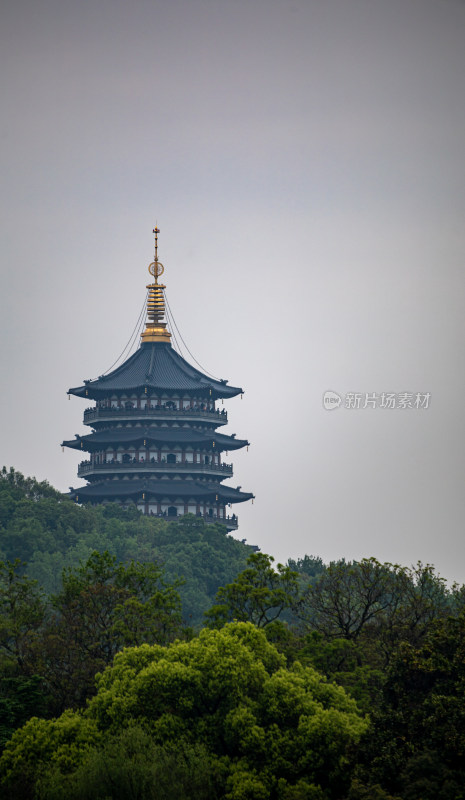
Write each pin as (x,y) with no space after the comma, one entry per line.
(86,467)
(232,522)
(106,413)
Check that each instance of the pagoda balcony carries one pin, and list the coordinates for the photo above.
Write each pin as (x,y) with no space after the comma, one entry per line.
(106,414)
(86,468)
(232,522)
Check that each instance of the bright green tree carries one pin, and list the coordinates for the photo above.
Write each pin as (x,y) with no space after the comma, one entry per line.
(265,731)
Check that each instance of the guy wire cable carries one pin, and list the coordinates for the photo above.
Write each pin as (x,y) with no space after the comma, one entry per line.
(185,345)
(171,326)
(133,336)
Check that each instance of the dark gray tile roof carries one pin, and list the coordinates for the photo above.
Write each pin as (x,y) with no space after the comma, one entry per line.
(155,365)
(136,435)
(158,488)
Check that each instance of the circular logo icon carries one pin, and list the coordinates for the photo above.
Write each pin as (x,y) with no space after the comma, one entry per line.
(331,400)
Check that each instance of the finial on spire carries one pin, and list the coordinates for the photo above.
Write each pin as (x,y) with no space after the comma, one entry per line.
(155,330)
(156,231)
(156,268)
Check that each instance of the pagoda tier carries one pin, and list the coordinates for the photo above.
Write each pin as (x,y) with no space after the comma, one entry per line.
(155,450)
(154,440)
(168,498)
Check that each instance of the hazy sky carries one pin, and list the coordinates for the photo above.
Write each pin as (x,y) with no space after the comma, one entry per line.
(305,161)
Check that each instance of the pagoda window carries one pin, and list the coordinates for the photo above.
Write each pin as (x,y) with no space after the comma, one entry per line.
(207,459)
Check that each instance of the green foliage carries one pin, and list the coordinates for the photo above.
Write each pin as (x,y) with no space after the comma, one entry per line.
(22,611)
(49,532)
(253,727)
(241,711)
(308,567)
(416,746)
(381,604)
(45,746)
(20,698)
(259,594)
(130,766)
(102,607)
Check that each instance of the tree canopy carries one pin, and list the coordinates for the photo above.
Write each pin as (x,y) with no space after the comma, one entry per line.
(265,730)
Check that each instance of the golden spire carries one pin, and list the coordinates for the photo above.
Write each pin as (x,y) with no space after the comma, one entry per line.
(155,330)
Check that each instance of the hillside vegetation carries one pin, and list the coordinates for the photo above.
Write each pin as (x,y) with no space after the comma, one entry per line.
(153,660)
(48,532)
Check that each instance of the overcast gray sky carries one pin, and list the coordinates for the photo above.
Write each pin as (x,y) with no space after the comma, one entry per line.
(305,161)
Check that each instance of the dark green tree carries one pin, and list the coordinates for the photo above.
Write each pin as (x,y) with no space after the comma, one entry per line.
(103,607)
(384,604)
(416,744)
(22,612)
(259,594)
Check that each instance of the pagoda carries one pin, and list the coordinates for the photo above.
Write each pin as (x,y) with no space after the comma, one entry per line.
(154,439)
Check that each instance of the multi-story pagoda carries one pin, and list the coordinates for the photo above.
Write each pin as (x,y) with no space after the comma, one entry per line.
(154,440)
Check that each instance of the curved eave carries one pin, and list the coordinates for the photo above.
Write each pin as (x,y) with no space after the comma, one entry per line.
(93,442)
(93,391)
(157,489)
